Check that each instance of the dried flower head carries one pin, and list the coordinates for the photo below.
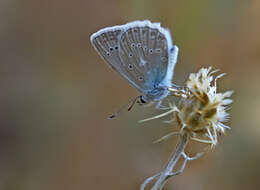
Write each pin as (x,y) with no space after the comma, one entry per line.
(201,110)
(199,114)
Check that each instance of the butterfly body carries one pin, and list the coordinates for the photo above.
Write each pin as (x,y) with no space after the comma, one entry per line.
(141,52)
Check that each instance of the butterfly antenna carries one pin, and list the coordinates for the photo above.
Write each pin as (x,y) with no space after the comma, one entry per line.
(131,103)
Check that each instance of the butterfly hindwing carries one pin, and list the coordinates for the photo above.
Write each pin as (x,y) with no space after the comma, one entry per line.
(145,49)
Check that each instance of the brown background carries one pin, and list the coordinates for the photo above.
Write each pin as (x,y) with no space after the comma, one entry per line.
(56,92)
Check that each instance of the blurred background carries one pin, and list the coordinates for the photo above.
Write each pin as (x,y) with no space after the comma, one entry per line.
(56,94)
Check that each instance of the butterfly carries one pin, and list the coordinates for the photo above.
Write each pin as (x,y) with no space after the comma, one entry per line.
(143,53)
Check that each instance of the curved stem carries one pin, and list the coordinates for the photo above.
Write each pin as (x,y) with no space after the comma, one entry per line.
(167,172)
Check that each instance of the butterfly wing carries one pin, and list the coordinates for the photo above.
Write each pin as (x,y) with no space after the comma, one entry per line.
(106,43)
(145,47)
(140,51)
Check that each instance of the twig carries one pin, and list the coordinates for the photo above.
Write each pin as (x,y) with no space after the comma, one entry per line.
(168,171)
(148,180)
(172,162)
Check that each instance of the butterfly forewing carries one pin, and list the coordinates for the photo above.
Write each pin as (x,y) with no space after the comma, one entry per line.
(106,44)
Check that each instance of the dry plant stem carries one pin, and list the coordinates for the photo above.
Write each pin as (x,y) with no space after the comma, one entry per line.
(167,172)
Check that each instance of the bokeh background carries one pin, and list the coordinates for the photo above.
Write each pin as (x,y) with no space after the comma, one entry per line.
(56,94)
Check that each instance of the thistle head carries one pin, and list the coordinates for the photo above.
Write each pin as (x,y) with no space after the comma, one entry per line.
(201,111)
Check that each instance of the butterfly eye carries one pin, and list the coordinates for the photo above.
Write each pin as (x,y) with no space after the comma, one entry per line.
(132,45)
(151,51)
(111,49)
(116,48)
(130,55)
(139,45)
(130,67)
(108,54)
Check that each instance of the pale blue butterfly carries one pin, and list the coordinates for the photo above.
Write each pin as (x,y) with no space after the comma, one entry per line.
(142,52)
